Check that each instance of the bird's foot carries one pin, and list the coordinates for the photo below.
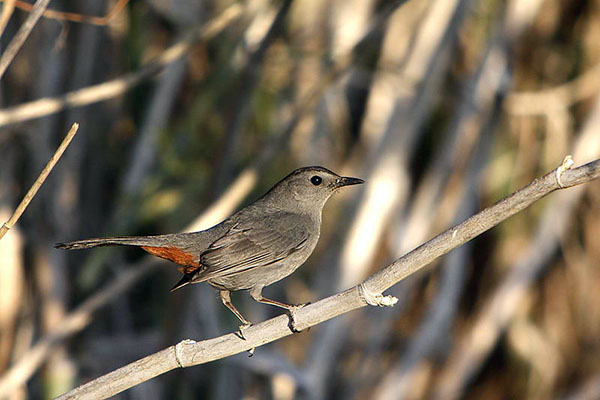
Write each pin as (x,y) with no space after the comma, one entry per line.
(242,329)
(241,333)
(293,322)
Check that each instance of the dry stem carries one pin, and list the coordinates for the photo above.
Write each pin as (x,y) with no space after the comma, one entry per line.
(39,181)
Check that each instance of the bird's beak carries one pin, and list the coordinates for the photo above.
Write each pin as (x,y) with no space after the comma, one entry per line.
(347,181)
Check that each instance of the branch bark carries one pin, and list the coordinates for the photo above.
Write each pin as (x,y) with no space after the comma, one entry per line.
(189,352)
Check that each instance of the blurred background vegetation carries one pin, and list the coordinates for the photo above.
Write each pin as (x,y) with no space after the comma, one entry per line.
(442,106)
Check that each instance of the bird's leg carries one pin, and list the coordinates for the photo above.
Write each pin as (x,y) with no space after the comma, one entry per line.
(256,293)
(226,299)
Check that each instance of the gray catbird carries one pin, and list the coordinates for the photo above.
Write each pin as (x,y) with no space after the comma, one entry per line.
(255,247)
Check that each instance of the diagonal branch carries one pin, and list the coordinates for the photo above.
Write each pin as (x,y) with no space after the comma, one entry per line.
(109,89)
(39,181)
(188,352)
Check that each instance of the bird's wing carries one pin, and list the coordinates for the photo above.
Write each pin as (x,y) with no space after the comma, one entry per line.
(251,245)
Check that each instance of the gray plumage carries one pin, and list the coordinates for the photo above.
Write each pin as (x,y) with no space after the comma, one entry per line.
(257,246)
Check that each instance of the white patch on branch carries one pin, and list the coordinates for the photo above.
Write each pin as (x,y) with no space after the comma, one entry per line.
(376,299)
(566,164)
(180,350)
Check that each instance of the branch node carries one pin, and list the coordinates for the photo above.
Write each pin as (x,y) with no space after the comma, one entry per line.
(178,350)
(566,164)
(375,299)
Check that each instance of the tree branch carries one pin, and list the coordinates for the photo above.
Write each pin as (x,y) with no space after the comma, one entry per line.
(39,181)
(188,352)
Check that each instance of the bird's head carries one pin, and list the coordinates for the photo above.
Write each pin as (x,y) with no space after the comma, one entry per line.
(309,188)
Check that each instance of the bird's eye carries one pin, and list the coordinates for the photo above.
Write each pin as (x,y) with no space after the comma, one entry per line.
(316,180)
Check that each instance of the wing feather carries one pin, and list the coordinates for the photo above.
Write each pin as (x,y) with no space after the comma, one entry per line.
(247,246)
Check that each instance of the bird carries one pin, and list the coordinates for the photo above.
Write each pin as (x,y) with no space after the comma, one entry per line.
(260,244)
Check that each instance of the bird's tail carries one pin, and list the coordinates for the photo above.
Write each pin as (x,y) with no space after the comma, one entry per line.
(109,241)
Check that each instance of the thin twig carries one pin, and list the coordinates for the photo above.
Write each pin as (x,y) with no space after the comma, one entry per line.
(118,86)
(188,352)
(39,181)
(73,17)
(17,41)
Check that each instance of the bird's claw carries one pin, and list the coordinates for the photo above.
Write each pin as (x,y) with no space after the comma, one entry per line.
(293,323)
(242,336)
(241,330)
